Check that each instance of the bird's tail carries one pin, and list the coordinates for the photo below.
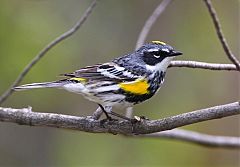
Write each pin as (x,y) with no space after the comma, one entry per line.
(53,84)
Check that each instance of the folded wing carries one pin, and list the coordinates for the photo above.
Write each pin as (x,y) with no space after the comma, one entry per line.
(103,72)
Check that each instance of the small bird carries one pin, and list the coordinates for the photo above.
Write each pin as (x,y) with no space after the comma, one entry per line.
(122,82)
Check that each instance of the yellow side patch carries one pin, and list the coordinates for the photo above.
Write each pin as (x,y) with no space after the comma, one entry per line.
(78,79)
(159,42)
(140,86)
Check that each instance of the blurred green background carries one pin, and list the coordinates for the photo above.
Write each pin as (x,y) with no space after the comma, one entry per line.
(112,30)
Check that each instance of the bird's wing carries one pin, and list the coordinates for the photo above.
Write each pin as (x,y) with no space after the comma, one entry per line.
(103,72)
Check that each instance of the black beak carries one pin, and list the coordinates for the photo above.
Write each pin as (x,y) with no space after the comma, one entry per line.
(175,53)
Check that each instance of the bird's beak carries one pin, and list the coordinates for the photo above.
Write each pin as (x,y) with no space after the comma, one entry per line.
(175,53)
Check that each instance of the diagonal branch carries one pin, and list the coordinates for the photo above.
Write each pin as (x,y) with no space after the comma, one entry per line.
(53,43)
(150,21)
(221,37)
(203,65)
(197,138)
(25,116)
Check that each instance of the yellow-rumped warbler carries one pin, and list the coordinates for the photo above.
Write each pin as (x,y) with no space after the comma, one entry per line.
(124,81)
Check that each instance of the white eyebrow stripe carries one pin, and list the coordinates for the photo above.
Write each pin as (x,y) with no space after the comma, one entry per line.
(153,50)
(165,50)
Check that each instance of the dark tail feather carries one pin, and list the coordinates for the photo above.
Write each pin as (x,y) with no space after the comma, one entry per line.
(41,85)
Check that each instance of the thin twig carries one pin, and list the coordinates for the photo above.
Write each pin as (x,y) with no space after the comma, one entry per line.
(203,65)
(56,41)
(197,138)
(150,21)
(221,37)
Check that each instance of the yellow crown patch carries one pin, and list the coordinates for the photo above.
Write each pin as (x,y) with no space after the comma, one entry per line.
(159,42)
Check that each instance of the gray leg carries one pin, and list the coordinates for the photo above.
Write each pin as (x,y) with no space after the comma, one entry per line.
(105,112)
(97,114)
(108,111)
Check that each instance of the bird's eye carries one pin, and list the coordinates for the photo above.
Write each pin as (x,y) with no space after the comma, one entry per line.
(152,57)
(156,54)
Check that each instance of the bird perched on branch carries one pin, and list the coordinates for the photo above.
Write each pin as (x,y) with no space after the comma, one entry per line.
(124,81)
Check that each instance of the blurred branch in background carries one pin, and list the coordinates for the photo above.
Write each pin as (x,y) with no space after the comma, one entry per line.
(197,138)
(221,37)
(25,116)
(150,21)
(43,52)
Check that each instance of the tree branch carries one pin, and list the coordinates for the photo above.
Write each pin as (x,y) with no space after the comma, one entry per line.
(197,138)
(203,65)
(25,116)
(53,43)
(150,21)
(221,37)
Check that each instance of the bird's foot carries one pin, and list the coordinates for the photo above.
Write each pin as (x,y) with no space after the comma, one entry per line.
(138,119)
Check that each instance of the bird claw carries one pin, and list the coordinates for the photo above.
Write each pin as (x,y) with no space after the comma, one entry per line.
(138,119)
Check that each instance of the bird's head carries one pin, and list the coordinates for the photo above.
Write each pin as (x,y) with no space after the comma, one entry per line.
(157,55)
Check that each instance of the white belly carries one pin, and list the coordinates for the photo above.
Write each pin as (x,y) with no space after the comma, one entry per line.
(99,94)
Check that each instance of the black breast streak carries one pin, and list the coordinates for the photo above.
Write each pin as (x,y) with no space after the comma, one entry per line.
(154,83)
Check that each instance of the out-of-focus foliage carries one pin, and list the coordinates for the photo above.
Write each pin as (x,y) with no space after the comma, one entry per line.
(112,30)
